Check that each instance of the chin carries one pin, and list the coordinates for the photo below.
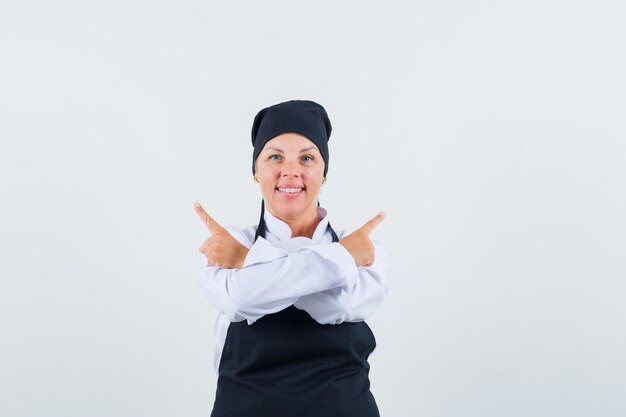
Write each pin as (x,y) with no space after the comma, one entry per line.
(288,213)
(291,211)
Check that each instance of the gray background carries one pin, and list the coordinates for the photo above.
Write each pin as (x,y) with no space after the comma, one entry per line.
(492,133)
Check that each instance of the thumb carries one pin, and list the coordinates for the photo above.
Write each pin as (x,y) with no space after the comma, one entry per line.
(208,221)
(369,226)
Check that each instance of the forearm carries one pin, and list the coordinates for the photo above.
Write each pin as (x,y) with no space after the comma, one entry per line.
(354,302)
(271,280)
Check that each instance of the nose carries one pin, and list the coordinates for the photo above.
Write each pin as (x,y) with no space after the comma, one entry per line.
(290,168)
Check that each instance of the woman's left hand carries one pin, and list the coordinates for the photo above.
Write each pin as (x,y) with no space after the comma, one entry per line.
(221,249)
(359,244)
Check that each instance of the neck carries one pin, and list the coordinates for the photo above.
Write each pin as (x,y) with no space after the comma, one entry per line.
(303,225)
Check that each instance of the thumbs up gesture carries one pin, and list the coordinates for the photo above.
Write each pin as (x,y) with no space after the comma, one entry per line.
(221,249)
(358,243)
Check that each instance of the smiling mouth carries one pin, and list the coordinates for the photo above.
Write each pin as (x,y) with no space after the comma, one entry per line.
(289,190)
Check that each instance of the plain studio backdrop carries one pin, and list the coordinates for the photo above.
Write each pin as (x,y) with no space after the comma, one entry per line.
(492,133)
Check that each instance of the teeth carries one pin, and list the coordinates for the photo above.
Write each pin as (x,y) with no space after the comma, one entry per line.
(290,190)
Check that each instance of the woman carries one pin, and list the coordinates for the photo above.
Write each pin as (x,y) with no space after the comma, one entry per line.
(291,293)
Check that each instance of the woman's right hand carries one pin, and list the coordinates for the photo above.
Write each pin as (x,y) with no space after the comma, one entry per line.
(221,249)
(359,244)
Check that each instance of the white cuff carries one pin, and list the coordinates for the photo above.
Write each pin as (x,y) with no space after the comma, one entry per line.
(263,251)
(337,254)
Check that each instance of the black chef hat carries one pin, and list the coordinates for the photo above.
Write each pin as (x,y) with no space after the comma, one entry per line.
(296,116)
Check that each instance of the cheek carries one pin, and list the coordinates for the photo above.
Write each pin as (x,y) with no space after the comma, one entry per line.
(316,175)
(266,172)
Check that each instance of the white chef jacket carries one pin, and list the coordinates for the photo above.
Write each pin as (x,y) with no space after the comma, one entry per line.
(316,275)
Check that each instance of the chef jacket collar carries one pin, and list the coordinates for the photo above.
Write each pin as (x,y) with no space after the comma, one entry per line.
(282,231)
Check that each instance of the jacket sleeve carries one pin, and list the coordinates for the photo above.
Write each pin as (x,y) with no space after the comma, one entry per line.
(272,279)
(359,298)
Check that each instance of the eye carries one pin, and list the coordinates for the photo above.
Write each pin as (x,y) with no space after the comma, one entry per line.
(307,158)
(274,157)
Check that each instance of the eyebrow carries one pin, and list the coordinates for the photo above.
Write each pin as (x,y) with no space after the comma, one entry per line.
(302,150)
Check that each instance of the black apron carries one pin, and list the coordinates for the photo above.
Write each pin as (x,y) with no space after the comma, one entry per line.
(287,364)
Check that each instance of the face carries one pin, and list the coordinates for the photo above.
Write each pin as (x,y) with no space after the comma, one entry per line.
(290,170)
